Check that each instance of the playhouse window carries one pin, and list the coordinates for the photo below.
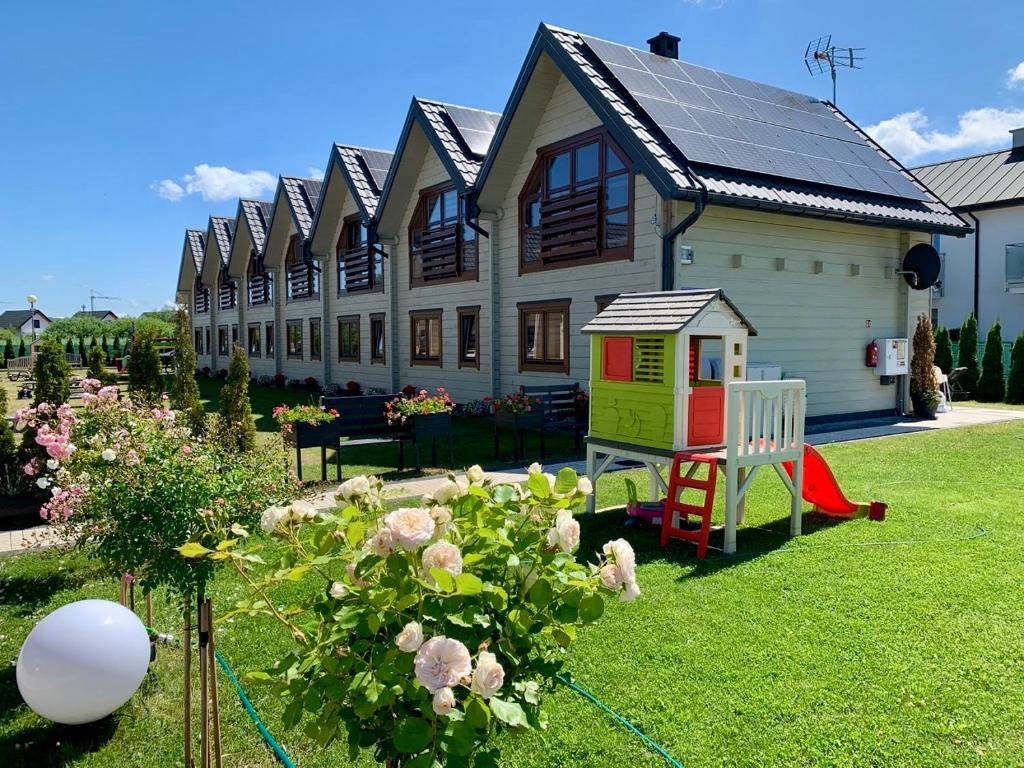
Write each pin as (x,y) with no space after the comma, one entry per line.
(705,361)
(544,337)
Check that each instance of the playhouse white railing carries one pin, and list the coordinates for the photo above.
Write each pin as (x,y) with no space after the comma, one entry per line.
(764,424)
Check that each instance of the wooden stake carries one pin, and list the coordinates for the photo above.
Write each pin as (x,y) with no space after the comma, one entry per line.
(187,637)
(149,609)
(204,692)
(214,705)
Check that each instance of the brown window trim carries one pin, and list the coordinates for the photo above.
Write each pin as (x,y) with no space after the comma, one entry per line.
(375,359)
(426,314)
(546,305)
(345,320)
(344,247)
(621,253)
(288,324)
(249,328)
(269,339)
(225,348)
(416,224)
(312,354)
(473,311)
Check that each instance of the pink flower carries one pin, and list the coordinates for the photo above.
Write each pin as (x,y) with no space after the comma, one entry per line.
(442,662)
(29,469)
(186,449)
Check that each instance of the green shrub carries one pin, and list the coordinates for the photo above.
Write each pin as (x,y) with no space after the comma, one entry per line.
(145,379)
(1015,384)
(8,351)
(69,346)
(21,347)
(82,353)
(96,360)
(184,390)
(11,477)
(943,350)
(968,355)
(237,429)
(991,384)
(922,362)
(52,374)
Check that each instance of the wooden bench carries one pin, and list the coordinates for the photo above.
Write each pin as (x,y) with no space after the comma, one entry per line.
(559,409)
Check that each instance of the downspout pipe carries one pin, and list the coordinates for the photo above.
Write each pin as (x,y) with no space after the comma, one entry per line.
(668,240)
(977,264)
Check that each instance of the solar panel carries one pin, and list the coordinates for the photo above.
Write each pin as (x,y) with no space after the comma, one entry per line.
(477,127)
(727,121)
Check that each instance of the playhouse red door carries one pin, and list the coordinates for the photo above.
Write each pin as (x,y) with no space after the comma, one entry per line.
(706,416)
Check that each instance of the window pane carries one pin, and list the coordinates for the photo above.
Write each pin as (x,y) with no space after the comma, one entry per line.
(420,337)
(554,335)
(612,162)
(586,162)
(616,230)
(532,335)
(451,207)
(433,210)
(616,192)
(378,270)
(558,171)
(435,337)
(468,337)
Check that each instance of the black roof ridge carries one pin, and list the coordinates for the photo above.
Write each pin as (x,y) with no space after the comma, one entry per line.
(446,104)
(364,149)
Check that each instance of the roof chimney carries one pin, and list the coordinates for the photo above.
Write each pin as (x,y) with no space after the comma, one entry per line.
(1018,137)
(664,44)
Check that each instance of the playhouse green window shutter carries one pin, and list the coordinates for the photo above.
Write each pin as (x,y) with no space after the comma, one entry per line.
(649,360)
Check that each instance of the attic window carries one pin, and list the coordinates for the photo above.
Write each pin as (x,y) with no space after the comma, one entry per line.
(359,267)
(441,247)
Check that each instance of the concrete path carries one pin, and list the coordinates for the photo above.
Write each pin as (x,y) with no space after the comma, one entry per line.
(14,541)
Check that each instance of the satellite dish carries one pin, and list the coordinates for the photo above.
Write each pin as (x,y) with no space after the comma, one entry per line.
(921,267)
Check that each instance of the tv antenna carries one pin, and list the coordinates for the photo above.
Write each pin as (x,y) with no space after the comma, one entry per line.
(93,296)
(822,56)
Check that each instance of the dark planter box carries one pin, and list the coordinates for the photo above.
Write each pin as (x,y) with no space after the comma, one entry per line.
(315,435)
(921,408)
(516,421)
(426,426)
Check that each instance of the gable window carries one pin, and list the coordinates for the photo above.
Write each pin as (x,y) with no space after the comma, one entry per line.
(425,347)
(359,267)
(348,339)
(314,339)
(260,283)
(253,339)
(303,278)
(441,246)
(199,341)
(576,205)
(227,291)
(268,347)
(378,354)
(293,339)
(544,336)
(222,340)
(469,337)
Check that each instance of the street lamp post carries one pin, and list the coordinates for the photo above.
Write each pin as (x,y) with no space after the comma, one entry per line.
(32,299)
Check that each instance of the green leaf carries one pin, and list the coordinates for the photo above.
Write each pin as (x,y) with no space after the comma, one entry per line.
(477,713)
(540,593)
(539,486)
(468,584)
(193,550)
(461,739)
(412,734)
(226,544)
(296,573)
(504,494)
(591,608)
(445,581)
(509,712)
(566,480)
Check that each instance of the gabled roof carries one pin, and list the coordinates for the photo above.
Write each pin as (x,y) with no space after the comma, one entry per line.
(461,137)
(15,318)
(223,231)
(992,179)
(302,196)
(661,312)
(193,252)
(99,314)
(695,132)
(364,171)
(255,214)
(195,244)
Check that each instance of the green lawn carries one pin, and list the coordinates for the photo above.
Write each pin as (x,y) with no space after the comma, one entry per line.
(859,644)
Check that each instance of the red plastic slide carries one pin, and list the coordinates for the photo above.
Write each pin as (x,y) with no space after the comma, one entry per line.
(822,490)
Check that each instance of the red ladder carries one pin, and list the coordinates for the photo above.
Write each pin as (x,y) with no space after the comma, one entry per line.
(677,513)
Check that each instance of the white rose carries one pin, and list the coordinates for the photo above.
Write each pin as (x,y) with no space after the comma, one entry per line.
(410,526)
(610,576)
(447,491)
(443,555)
(566,532)
(442,515)
(475,474)
(108,454)
(43,483)
(338,590)
(443,702)
(442,662)
(271,517)
(489,676)
(410,638)
(630,593)
(354,487)
(534,469)
(584,486)
(52,464)
(621,553)
(302,510)
(382,543)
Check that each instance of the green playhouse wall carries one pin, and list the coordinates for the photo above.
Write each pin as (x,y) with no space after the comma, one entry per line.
(634,412)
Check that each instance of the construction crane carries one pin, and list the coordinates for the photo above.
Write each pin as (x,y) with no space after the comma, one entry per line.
(93,296)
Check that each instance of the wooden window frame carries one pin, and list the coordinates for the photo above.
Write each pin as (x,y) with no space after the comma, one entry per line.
(418,225)
(537,171)
(316,354)
(382,358)
(347,320)
(288,325)
(344,248)
(224,349)
(547,306)
(294,256)
(473,312)
(269,339)
(426,314)
(268,284)
(197,340)
(249,328)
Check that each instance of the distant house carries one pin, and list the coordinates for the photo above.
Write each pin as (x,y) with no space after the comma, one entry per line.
(983,272)
(98,314)
(24,322)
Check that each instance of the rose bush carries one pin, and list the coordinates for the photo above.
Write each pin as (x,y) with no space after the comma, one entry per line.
(430,628)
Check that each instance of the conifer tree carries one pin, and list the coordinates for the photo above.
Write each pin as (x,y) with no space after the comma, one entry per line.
(1015,383)
(943,350)
(69,347)
(967,356)
(8,351)
(237,427)
(81,349)
(96,363)
(145,379)
(991,385)
(21,347)
(52,374)
(11,477)
(184,390)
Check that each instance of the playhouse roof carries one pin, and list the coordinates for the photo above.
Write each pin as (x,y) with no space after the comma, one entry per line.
(660,312)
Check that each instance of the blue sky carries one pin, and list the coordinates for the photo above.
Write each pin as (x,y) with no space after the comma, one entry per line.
(101,102)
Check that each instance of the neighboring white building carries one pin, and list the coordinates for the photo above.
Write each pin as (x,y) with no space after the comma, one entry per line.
(24,322)
(984,271)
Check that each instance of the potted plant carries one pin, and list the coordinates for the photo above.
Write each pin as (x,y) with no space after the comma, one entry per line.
(426,415)
(304,419)
(924,394)
(517,410)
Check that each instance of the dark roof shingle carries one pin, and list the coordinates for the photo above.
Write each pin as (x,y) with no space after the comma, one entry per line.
(303,195)
(463,132)
(257,218)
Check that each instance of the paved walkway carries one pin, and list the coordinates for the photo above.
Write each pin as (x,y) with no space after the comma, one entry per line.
(15,541)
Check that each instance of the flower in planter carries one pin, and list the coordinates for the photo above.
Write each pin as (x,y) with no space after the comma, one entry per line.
(515,403)
(353,387)
(423,403)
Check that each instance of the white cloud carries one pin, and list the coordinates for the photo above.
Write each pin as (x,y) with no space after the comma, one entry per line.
(216,182)
(316,173)
(908,135)
(1015,77)
(47,278)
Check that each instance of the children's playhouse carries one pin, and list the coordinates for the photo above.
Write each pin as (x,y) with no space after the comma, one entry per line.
(668,390)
